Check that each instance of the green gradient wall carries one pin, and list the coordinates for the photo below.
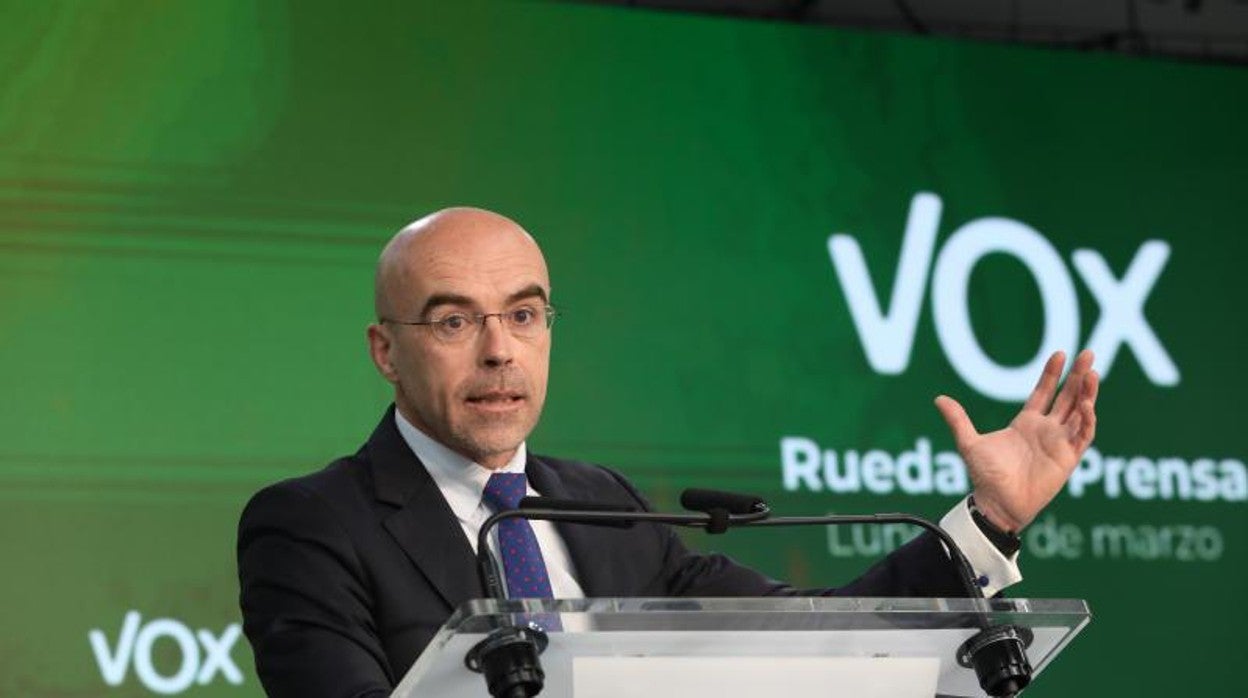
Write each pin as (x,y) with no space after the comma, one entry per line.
(192,196)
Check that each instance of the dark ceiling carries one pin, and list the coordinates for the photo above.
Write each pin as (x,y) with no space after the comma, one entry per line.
(1201,30)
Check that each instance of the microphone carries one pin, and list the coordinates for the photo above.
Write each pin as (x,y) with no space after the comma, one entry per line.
(733,502)
(721,506)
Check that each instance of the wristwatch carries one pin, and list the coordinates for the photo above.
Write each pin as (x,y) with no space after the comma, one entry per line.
(1007,542)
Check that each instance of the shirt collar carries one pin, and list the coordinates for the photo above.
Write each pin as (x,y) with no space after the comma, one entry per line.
(461,480)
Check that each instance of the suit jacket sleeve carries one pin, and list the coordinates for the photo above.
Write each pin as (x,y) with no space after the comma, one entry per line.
(305,604)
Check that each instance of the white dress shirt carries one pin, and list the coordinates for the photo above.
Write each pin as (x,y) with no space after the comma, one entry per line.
(462,483)
(994,570)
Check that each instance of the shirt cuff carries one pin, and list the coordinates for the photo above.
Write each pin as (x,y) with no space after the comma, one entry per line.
(993,570)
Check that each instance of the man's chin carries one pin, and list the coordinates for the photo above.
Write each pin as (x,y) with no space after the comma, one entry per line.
(491,445)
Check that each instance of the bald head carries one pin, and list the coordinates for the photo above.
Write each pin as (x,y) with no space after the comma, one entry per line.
(426,244)
(481,391)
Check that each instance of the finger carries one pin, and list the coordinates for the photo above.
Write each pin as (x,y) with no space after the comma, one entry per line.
(1087,396)
(1081,424)
(1042,394)
(1091,387)
(960,424)
(1073,389)
(1087,426)
(1074,427)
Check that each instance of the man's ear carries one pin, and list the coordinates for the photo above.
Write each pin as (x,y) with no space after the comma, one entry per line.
(380,344)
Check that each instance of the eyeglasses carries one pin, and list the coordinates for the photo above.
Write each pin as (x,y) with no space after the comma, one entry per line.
(525,322)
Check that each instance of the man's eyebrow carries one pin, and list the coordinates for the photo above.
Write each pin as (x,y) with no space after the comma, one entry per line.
(444,299)
(530,291)
(437,299)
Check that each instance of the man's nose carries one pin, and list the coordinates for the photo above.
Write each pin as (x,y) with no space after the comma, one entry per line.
(496,342)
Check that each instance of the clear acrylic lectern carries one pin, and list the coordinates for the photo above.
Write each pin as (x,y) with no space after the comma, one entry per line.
(790,647)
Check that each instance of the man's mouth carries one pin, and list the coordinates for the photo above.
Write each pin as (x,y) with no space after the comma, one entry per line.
(496,400)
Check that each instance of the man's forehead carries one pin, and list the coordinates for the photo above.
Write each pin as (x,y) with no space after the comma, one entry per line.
(480,272)
(467,253)
(481,284)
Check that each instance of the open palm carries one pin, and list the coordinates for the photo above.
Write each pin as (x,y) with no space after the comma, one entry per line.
(1017,470)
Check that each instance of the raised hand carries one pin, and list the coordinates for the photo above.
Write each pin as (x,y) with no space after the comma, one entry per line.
(1017,470)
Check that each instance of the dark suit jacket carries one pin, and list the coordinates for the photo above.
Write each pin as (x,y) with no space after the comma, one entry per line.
(346,574)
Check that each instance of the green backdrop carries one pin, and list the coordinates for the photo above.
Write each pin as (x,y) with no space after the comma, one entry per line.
(192,196)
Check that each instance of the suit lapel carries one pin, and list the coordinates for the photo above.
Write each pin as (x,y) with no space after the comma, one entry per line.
(588,556)
(422,524)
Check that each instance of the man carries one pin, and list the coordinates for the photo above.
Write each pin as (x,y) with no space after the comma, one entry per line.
(347,573)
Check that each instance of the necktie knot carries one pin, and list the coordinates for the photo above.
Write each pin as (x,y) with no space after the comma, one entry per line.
(503,491)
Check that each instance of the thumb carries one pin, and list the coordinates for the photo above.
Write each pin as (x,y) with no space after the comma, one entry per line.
(960,424)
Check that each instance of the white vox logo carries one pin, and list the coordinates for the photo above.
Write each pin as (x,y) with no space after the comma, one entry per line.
(888,337)
(136,641)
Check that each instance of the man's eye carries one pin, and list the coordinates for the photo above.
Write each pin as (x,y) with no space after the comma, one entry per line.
(454,322)
(523,316)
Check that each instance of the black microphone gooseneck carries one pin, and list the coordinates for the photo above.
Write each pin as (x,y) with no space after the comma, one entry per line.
(508,656)
(997,653)
(962,567)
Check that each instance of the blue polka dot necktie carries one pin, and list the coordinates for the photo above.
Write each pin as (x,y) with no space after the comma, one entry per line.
(517,545)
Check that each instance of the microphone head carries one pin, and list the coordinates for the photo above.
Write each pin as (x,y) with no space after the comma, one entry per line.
(695,499)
